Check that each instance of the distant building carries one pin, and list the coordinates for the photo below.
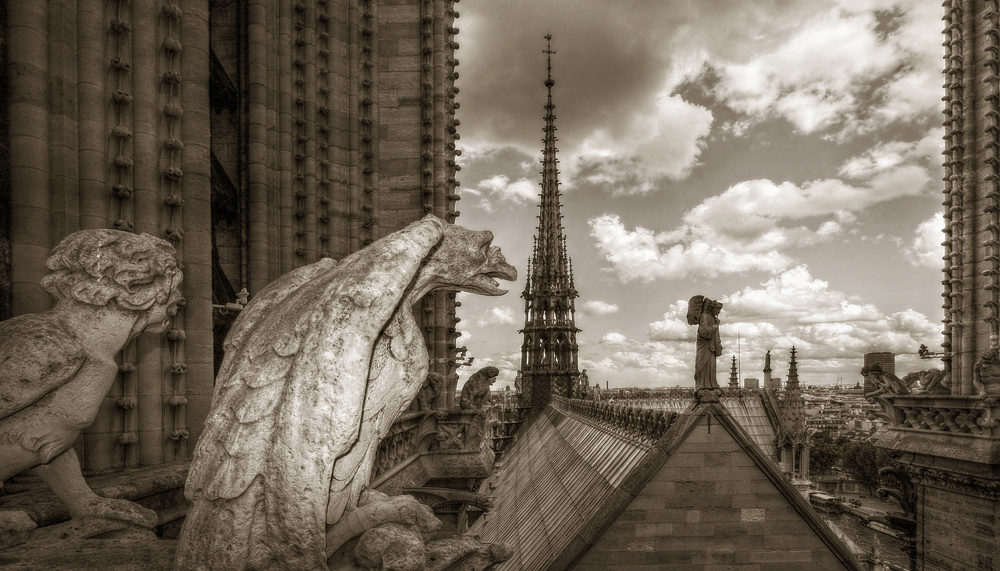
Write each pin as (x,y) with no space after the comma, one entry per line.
(751,383)
(883,359)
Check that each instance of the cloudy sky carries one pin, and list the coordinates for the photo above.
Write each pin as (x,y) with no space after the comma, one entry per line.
(782,156)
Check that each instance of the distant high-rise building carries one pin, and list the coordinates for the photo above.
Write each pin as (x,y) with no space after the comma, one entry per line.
(549,350)
(751,383)
(885,360)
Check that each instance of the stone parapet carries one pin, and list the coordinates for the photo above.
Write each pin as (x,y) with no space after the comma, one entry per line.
(437,444)
(643,425)
(948,447)
(969,415)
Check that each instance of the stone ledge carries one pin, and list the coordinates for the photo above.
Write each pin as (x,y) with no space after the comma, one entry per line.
(142,485)
(91,555)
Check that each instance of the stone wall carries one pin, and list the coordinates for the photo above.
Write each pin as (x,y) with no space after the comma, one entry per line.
(969,541)
(709,507)
(329,122)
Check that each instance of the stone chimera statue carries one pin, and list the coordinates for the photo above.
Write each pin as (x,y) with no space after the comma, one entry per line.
(317,368)
(57,366)
(476,391)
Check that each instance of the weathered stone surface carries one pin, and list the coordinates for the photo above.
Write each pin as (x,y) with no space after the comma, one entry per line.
(377,509)
(428,395)
(476,390)
(317,368)
(14,527)
(90,555)
(58,365)
(391,546)
(704,313)
(464,554)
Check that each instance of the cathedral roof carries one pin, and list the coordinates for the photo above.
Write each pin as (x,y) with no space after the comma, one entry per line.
(582,489)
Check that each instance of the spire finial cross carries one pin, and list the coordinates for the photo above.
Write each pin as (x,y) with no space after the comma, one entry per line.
(549,51)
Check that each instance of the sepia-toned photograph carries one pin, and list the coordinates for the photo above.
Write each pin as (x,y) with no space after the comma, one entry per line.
(499,285)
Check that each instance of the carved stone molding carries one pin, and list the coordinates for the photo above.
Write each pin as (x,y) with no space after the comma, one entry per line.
(644,425)
(972,415)
(962,483)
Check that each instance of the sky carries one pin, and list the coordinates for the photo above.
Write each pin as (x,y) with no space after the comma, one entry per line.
(781,156)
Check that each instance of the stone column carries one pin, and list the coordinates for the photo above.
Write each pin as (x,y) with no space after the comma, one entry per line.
(27,45)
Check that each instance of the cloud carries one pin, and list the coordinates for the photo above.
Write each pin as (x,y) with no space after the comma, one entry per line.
(849,69)
(884,157)
(841,67)
(752,224)
(497,316)
(613,338)
(644,255)
(652,363)
(663,140)
(597,307)
(521,191)
(925,249)
(792,308)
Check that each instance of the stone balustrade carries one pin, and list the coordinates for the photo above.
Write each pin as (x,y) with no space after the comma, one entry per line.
(416,434)
(972,415)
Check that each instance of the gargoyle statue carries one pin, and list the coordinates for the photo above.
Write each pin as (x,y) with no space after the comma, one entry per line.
(58,366)
(428,395)
(317,368)
(476,391)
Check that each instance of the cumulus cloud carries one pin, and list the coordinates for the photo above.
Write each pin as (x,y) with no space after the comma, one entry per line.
(613,338)
(664,140)
(630,361)
(849,69)
(792,308)
(497,316)
(598,307)
(830,330)
(646,255)
(752,224)
(925,248)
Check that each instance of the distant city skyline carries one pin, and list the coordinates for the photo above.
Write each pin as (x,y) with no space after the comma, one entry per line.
(782,159)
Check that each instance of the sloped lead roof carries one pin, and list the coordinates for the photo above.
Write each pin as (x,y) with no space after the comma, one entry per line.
(571,474)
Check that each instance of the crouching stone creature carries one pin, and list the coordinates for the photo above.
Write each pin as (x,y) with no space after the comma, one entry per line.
(317,368)
(476,391)
(56,367)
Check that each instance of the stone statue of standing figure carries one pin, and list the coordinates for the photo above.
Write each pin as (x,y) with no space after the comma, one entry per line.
(704,313)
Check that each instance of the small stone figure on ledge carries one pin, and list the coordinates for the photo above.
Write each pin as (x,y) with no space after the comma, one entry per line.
(704,313)
(476,391)
(59,365)
(428,395)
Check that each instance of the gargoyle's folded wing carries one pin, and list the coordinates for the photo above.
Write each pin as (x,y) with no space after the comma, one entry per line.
(37,356)
(289,396)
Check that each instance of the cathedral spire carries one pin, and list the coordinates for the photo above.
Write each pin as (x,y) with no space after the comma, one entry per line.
(793,373)
(549,351)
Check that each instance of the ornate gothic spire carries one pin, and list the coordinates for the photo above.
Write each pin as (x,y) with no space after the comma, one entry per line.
(793,373)
(549,352)
(793,409)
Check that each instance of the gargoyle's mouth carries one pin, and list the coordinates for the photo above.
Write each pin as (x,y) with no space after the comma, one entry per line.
(485,282)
